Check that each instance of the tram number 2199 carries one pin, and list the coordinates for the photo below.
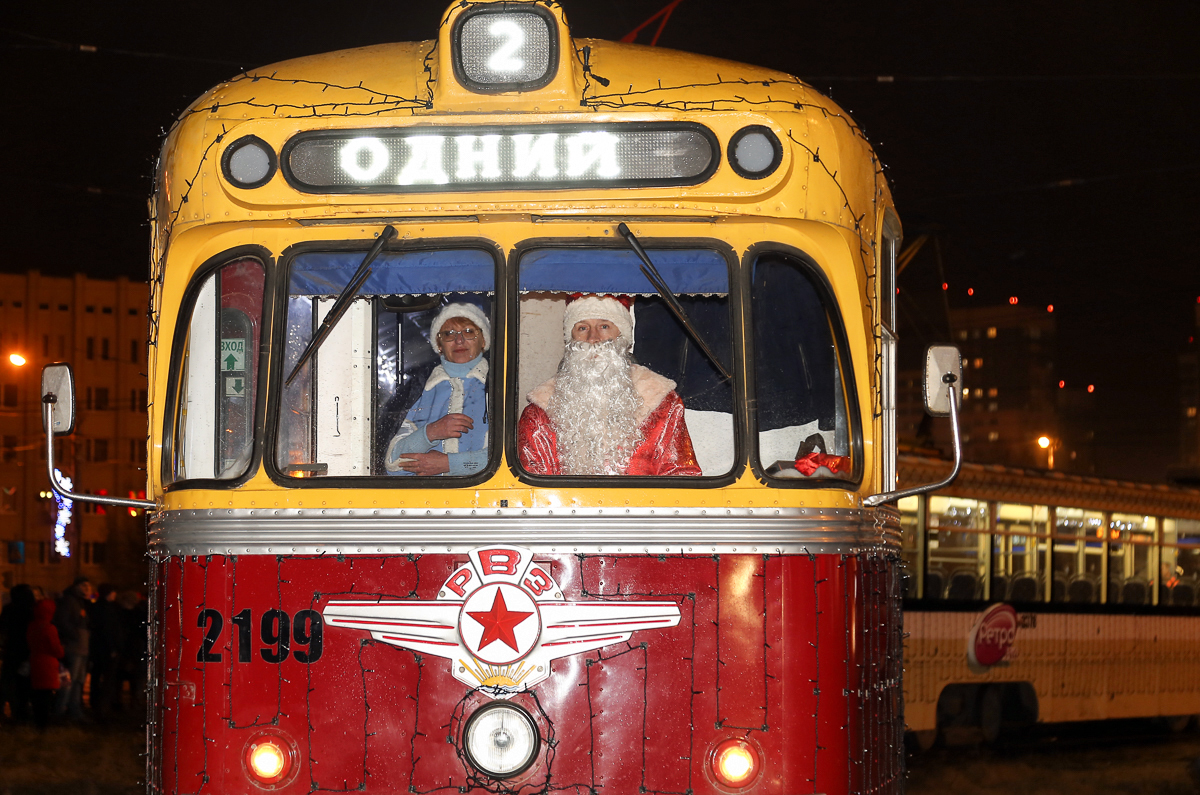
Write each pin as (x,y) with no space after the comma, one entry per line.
(276,630)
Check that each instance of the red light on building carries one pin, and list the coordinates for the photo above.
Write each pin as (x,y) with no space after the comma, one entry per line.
(970,291)
(1050,308)
(945,286)
(1091,388)
(1062,384)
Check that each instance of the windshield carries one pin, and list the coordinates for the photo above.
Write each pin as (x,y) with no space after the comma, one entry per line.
(610,383)
(604,380)
(387,394)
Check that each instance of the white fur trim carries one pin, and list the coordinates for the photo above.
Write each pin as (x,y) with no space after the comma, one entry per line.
(598,306)
(651,386)
(478,372)
(466,312)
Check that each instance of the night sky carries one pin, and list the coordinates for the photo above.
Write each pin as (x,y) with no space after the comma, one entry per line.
(992,107)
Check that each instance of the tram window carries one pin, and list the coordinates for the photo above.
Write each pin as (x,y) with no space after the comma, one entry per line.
(803,428)
(957,536)
(218,376)
(671,413)
(910,544)
(1019,553)
(1078,546)
(365,403)
(1130,547)
(1179,568)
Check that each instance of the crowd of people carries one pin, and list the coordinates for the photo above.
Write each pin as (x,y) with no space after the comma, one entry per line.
(88,645)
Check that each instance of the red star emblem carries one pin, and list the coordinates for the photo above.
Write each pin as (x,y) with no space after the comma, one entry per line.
(499,622)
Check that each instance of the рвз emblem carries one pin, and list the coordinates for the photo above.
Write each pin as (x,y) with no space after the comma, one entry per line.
(500,619)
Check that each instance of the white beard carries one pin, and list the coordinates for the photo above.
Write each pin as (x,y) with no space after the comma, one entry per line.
(594,408)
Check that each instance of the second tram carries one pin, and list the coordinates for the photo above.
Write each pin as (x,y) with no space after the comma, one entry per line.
(1038,596)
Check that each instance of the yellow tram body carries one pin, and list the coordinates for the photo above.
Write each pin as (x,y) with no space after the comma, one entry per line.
(828,198)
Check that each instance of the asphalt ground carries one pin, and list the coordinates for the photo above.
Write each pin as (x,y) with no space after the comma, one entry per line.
(1113,758)
(1130,757)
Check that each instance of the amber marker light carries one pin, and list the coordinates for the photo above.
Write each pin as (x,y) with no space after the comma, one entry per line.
(736,763)
(270,760)
(17,359)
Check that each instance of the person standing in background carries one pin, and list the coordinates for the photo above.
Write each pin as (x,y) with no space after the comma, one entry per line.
(45,651)
(14,668)
(71,619)
(106,647)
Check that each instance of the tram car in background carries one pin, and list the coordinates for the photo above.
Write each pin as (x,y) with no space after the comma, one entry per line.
(1038,596)
(714,608)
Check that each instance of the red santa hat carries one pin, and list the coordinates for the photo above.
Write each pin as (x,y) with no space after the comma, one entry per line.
(617,309)
(466,312)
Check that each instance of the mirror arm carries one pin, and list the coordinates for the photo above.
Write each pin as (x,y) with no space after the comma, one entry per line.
(890,496)
(48,402)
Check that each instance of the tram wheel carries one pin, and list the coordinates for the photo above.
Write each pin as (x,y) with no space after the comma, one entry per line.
(991,712)
(920,742)
(1177,723)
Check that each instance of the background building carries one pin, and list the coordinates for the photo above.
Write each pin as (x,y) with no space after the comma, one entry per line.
(1011,395)
(1188,470)
(99,327)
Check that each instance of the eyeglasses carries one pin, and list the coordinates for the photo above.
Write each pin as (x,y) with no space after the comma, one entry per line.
(467,334)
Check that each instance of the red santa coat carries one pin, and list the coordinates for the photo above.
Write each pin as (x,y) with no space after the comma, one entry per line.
(45,650)
(666,447)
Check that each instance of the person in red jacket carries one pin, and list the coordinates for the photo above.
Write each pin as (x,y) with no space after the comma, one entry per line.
(603,414)
(45,650)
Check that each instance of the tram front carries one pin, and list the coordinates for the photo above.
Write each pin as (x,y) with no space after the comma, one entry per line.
(515,398)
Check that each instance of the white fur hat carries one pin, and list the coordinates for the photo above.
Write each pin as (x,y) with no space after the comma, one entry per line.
(604,307)
(466,312)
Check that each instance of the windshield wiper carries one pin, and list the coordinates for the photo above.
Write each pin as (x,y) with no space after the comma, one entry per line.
(344,299)
(655,278)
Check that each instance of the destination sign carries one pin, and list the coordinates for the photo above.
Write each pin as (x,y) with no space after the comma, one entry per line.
(547,156)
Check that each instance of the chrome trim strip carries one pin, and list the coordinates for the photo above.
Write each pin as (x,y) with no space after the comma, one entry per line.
(304,531)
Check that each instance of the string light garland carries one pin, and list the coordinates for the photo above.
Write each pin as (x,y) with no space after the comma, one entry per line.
(872,717)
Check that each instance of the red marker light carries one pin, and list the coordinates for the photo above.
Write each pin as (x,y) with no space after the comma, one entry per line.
(1062,384)
(269,759)
(945,286)
(1091,388)
(970,291)
(1013,300)
(736,763)
(1050,308)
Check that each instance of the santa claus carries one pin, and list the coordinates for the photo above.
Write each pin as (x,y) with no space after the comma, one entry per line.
(602,414)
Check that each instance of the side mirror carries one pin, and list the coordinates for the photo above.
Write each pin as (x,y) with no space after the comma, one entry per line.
(943,366)
(58,389)
(943,379)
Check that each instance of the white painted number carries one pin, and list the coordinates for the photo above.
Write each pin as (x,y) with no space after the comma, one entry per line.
(504,58)
(377,158)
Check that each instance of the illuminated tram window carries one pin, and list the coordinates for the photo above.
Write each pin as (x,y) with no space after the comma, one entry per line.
(1078,548)
(957,539)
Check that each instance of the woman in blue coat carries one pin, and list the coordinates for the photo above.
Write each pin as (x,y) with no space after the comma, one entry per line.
(445,432)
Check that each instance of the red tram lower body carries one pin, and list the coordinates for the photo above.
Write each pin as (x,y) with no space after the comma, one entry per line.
(797,655)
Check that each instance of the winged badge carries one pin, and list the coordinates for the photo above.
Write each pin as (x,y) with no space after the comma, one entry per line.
(500,619)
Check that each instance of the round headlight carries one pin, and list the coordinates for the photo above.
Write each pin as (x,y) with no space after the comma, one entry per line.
(754,152)
(501,740)
(248,162)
